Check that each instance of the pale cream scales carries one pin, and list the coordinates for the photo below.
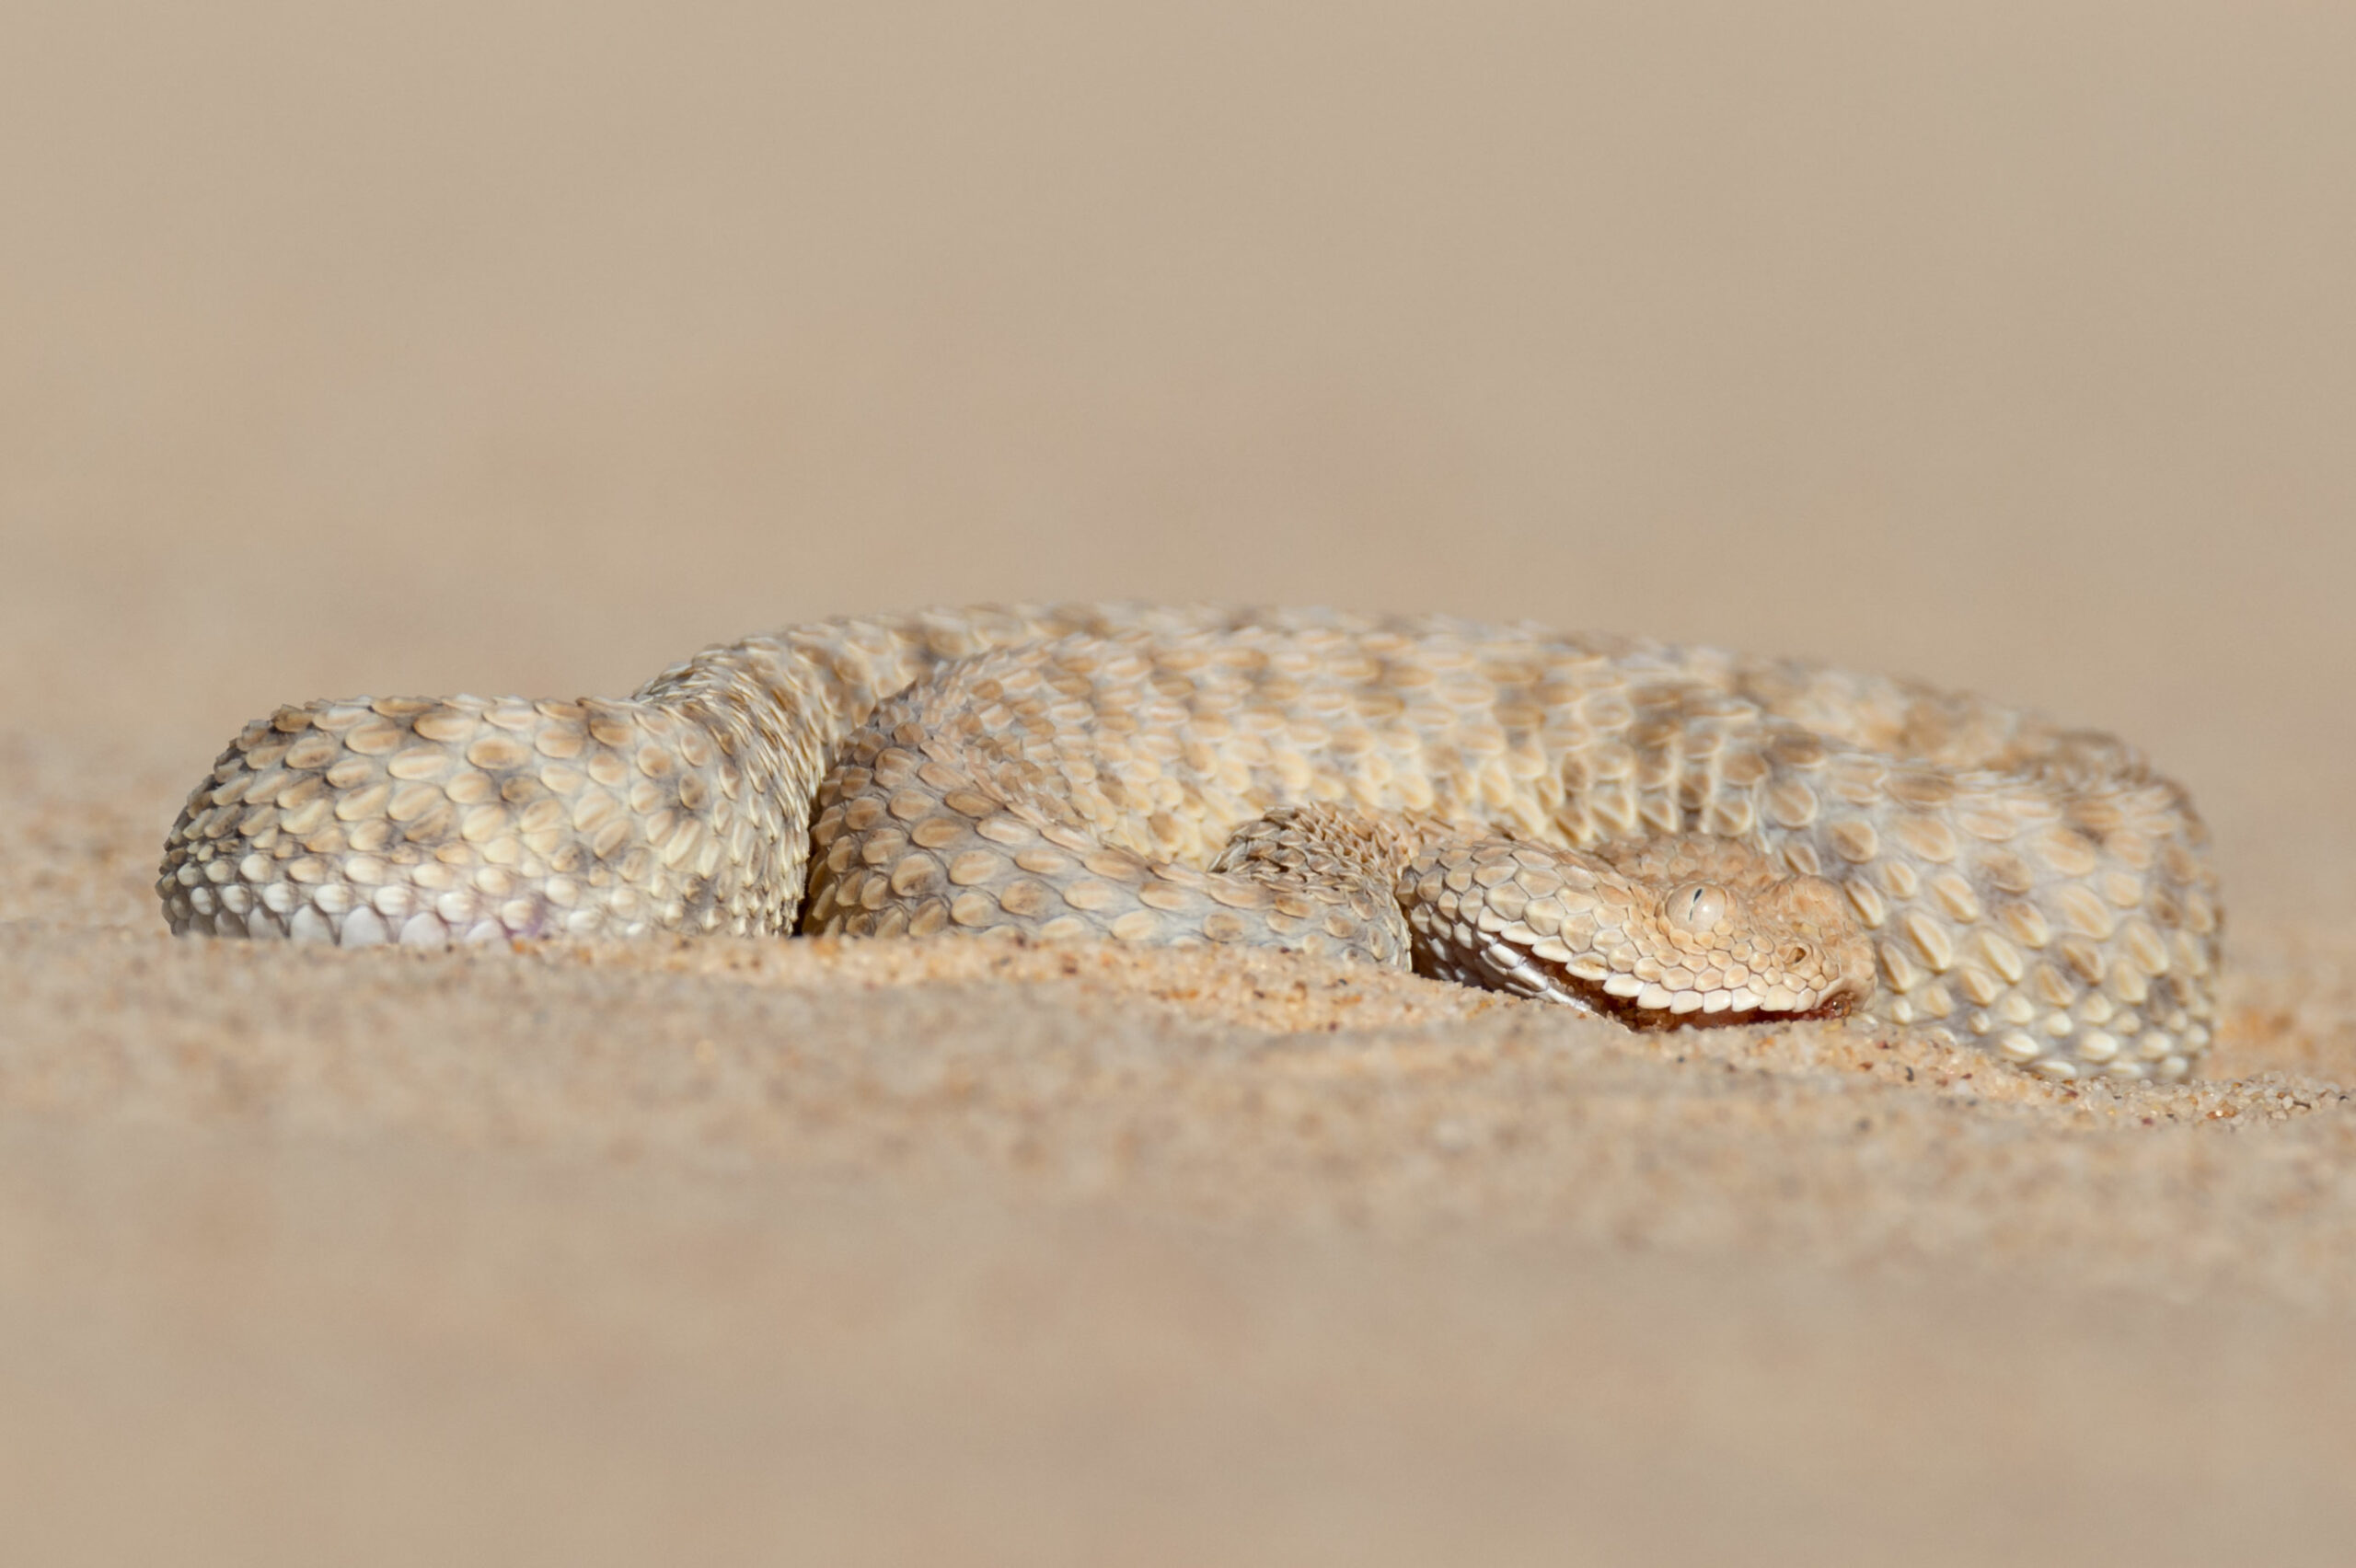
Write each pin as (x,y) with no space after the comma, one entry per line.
(1671,835)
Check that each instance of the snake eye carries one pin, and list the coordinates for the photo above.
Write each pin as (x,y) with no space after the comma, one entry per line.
(1697,906)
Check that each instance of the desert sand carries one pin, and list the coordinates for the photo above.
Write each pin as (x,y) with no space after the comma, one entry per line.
(509,348)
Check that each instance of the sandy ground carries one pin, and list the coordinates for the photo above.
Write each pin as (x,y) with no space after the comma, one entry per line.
(504,347)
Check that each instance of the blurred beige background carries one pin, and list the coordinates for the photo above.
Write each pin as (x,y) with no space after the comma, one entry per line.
(509,346)
(2008,345)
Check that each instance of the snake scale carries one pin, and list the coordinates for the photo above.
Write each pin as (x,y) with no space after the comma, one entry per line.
(1665,835)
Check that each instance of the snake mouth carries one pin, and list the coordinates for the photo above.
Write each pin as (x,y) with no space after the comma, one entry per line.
(1659,1020)
(1622,999)
(1843,965)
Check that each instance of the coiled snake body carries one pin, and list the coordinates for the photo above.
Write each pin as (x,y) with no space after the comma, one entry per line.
(1667,835)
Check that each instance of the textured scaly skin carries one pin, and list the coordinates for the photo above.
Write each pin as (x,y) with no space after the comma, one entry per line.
(1666,834)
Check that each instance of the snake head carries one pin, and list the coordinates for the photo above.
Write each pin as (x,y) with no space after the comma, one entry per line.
(1686,930)
(1727,933)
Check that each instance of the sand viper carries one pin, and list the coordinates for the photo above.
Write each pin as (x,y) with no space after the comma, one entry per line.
(1667,835)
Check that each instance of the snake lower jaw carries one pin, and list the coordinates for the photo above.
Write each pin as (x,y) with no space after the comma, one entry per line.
(1653,1020)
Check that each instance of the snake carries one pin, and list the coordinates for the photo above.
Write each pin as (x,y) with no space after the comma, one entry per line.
(1669,836)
